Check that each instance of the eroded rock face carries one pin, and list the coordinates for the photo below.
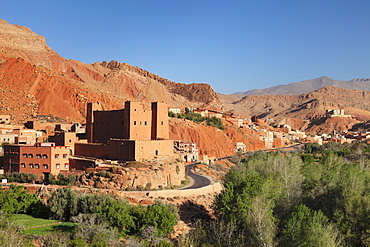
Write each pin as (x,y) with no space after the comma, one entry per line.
(212,141)
(157,176)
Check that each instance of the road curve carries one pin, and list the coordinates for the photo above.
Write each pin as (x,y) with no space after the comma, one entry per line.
(198,181)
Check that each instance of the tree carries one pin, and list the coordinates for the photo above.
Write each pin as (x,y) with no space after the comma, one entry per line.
(64,204)
(309,228)
(17,200)
(353,204)
(241,187)
(161,217)
(93,229)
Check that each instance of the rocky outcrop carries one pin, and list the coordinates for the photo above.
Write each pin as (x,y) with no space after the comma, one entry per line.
(156,176)
(194,92)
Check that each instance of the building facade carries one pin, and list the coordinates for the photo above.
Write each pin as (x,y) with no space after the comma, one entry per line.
(137,132)
(187,150)
(41,159)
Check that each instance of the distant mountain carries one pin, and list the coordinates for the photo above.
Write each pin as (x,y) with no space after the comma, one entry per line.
(303,107)
(308,86)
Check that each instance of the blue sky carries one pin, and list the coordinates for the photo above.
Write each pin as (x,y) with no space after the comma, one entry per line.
(232,45)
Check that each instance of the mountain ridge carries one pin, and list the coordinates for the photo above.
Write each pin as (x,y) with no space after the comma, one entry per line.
(57,86)
(307,86)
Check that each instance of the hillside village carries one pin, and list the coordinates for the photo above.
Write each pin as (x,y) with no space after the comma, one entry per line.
(112,152)
(136,136)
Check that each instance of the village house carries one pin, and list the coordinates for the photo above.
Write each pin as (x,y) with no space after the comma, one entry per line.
(4,119)
(62,138)
(174,110)
(41,159)
(187,150)
(240,147)
(208,113)
(336,113)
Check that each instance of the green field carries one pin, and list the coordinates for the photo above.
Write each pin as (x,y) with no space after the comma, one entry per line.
(39,226)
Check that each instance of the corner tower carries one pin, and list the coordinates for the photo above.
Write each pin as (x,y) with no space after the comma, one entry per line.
(91,107)
(160,129)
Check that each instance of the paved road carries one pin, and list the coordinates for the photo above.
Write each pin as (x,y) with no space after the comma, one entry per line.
(198,181)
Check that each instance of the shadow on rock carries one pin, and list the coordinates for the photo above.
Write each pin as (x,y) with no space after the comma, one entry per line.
(191,211)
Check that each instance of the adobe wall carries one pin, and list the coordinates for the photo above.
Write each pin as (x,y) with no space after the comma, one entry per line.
(216,187)
(121,150)
(108,124)
(160,129)
(148,150)
(129,150)
(80,164)
(139,121)
(91,150)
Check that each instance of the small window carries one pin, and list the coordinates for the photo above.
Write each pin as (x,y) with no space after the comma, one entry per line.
(25,155)
(46,166)
(134,122)
(44,156)
(64,156)
(8,139)
(57,166)
(23,165)
(70,140)
(30,155)
(144,122)
(66,165)
(31,165)
(38,156)
(57,156)
(140,122)
(156,152)
(37,166)
(161,122)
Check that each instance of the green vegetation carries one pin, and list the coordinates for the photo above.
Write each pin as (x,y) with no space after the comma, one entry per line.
(39,226)
(61,179)
(195,117)
(28,221)
(82,220)
(317,197)
(17,200)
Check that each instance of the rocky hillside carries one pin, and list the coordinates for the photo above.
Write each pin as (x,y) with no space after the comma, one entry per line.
(296,110)
(212,141)
(304,106)
(35,80)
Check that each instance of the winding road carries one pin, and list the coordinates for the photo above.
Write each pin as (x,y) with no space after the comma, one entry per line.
(198,181)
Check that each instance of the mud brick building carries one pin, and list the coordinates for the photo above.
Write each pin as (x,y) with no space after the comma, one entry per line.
(136,132)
